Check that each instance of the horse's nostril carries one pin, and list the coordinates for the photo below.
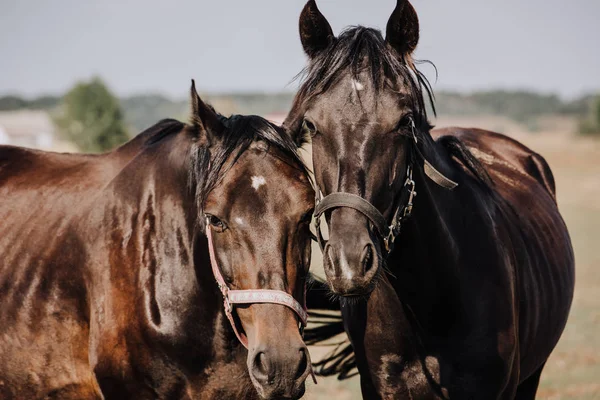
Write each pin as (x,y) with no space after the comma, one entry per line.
(260,368)
(303,365)
(368,258)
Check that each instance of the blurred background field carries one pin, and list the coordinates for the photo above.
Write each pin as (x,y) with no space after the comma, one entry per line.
(86,76)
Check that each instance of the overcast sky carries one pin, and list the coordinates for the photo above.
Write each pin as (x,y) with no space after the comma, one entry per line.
(241,45)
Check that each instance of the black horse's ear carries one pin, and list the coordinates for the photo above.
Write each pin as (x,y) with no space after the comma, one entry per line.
(204,118)
(402,31)
(292,125)
(315,32)
(294,131)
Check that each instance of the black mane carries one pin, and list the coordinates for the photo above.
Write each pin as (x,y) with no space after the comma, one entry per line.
(208,164)
(358,49)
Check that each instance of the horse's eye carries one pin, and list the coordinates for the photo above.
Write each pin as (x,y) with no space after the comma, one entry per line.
(406,122)
(309,127)
(307,217)
(216,222)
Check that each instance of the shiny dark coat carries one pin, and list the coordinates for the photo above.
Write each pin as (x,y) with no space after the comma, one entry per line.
(106,289)
(477,291)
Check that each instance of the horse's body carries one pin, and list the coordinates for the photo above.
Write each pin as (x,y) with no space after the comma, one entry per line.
(481,272)
(44,315)
(77,312)
(106,289)
(529,226)
(488,323)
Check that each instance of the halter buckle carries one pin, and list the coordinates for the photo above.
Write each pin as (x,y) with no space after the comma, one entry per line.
(409,206)
(318,196)
(391,238)
(413,130)
(412,193)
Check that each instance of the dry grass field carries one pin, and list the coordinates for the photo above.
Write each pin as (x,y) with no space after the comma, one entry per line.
(573,370)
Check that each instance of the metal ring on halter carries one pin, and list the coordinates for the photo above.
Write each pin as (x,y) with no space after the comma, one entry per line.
(412,193)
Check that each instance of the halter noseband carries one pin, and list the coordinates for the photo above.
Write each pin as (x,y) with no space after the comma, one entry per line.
(388,233)
(349,200)
(233,297)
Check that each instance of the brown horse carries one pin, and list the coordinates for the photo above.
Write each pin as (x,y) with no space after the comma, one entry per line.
(106,288)
(480,268)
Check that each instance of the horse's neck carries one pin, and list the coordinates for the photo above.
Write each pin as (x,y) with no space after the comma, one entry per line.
(425,258)
(157,263)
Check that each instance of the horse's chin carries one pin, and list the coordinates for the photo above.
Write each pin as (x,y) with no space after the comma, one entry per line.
(353,297)
(297,393)
(350,292)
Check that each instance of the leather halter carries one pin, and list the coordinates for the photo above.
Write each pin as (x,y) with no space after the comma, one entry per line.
(233,297)
(388,233)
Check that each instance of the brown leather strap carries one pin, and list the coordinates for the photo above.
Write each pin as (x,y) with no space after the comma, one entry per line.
(436,176)
(233,297)
(403,210)
(340,199)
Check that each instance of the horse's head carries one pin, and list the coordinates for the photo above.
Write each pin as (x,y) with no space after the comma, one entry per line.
(360,100)
(257,202)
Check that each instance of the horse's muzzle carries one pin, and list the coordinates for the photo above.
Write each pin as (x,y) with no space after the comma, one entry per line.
(350,257)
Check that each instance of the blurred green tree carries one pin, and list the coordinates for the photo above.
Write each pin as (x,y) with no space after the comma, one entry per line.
(91,117)
(590,125)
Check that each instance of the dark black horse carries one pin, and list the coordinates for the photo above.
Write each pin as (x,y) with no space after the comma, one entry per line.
(469,284)
(106,289)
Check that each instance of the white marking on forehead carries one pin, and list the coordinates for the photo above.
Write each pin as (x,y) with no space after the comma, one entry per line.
(239,221)
(356,85)
(258,181)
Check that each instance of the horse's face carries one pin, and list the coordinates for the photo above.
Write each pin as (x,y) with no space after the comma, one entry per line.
(360,130)
(260,215)
(358,146)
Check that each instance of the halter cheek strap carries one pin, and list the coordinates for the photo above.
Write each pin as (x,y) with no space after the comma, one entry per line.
(348,200)
(233,297)
(388,233)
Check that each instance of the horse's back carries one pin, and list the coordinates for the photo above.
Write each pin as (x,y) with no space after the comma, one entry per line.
(497,152)
(40,193)
(28,169)
(44,323)
(534,227)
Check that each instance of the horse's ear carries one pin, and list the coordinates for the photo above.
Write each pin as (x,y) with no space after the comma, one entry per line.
(315,32)
(204,118)
(292,125)
(295,132)
(403,28)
